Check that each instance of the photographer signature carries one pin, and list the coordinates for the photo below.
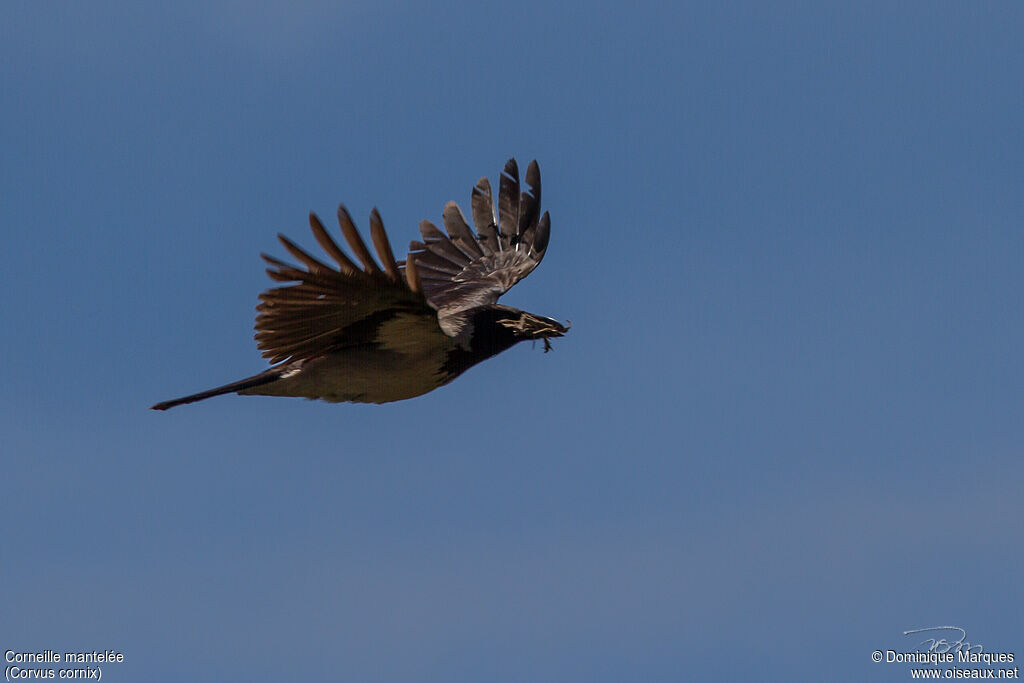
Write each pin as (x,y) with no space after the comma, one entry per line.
(937,644)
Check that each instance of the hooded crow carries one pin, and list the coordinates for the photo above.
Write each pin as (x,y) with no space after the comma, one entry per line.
(374,333)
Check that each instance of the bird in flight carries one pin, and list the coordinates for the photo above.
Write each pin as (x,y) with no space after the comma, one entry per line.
(374,333)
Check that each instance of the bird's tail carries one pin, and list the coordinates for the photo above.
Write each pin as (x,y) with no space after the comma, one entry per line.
(271,375)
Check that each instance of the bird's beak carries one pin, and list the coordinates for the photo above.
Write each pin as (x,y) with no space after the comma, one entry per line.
(530,326)
(539,327)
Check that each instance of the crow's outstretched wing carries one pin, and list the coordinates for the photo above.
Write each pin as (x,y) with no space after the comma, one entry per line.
(462,270)
(332,308)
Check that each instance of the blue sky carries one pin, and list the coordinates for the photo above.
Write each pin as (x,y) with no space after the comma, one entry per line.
(785,428)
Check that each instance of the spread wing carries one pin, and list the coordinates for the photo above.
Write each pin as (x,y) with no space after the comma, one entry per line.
(462,270)
(334,307)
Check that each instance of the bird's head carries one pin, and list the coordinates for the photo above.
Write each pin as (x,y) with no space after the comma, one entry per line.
(489,330)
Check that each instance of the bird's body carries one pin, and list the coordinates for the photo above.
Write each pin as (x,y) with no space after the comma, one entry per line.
(367,334)
(366,375)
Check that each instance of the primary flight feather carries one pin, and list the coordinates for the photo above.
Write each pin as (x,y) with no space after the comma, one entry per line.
(369,332)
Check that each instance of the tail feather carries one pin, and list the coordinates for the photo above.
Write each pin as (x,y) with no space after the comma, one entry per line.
(271,375)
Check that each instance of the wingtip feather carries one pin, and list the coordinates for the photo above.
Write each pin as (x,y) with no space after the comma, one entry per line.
(355,241)
(382,245)
(412,275)
(327,243)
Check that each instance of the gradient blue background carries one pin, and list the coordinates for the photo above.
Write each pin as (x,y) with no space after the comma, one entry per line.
(786,426)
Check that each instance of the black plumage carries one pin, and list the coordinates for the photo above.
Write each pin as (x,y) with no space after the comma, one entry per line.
(358,330)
